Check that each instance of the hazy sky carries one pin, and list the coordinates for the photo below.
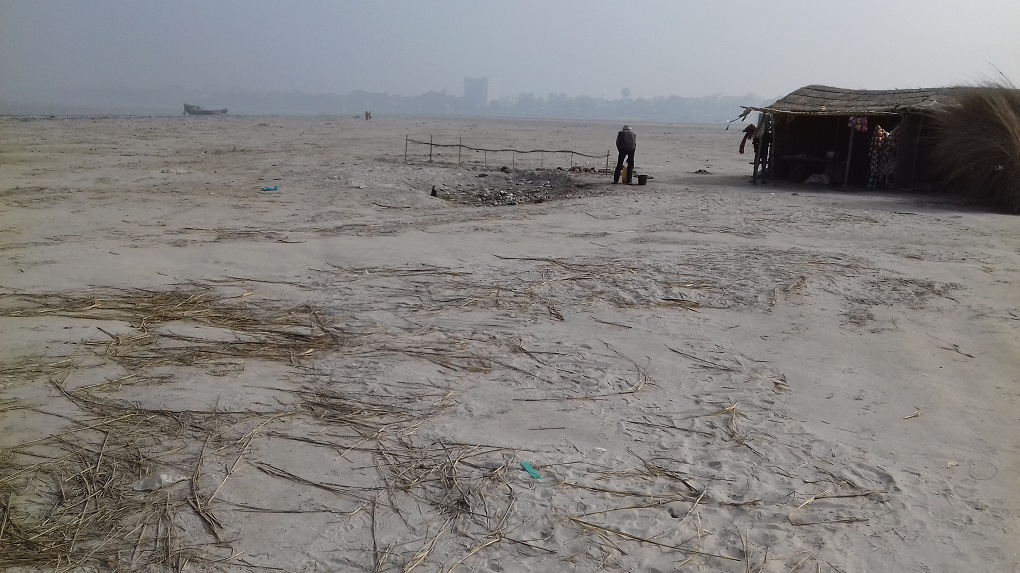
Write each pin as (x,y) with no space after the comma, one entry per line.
(589,47)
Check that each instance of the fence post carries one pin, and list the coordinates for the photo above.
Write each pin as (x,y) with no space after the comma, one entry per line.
(460,145)
(571,158)
(485,158)
(430,149)
(607,164)
(405,149)
(541,161)
(513,159)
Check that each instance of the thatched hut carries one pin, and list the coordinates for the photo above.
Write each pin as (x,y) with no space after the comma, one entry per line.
(817,130)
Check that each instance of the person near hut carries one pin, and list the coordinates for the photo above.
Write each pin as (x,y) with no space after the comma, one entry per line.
(626,145)
(749,134)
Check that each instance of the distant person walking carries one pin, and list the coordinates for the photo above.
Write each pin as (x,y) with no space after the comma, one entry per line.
(626,144)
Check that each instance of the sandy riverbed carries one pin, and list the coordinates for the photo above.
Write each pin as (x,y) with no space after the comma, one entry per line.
(346,373)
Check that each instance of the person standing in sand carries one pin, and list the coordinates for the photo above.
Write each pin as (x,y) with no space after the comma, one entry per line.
(626,144)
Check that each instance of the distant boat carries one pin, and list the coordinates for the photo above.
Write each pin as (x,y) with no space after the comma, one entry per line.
(195,110)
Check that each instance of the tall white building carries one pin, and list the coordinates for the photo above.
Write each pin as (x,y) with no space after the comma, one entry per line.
(480,92)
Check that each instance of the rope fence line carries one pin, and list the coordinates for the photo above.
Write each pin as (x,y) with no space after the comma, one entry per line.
(485,151)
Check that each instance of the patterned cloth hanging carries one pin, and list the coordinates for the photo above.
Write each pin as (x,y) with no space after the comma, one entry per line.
(859,123)
(883,158)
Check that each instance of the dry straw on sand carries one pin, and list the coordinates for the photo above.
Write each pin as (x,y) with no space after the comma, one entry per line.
(69,500)
(978,148)
(412,497)
(249,332)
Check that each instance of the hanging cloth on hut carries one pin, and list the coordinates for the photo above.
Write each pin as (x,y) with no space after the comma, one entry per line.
(883,158)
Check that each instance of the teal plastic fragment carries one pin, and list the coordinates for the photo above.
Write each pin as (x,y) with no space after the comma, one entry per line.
(531,470)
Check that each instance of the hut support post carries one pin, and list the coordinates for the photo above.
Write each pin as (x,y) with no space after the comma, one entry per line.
(849,155)
(770,160)
(917,144)
(757,158)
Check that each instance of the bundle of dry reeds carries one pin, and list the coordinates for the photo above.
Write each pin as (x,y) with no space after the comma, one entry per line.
(977,153)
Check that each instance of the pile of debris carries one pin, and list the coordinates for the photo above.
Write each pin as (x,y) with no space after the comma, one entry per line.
(504,188)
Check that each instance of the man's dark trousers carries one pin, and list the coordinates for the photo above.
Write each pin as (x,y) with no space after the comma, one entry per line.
(629,154)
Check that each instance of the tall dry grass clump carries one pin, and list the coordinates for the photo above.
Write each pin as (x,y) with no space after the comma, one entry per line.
(977,153)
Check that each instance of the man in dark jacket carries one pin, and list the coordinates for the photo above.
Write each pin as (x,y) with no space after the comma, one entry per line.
(626,144)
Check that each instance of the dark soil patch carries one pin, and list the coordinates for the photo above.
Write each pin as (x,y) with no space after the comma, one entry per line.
(504,187)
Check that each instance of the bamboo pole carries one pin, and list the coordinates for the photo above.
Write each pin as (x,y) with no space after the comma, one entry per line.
(757,152)
(770,159)
(917,144)
(849,154)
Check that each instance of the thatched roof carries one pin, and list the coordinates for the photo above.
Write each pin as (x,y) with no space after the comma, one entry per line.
(825,100)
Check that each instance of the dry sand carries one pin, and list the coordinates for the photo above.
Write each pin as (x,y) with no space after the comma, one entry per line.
(348,374)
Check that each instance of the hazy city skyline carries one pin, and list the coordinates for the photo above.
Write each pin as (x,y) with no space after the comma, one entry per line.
(650,48)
